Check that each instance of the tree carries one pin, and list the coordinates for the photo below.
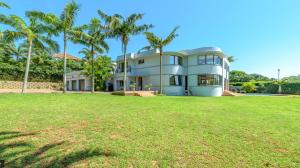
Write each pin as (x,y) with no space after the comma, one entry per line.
(103,70)
(258,77)
(95,39)
(159,43)
(239,76)
(35,33)
(63,24)
(123,29)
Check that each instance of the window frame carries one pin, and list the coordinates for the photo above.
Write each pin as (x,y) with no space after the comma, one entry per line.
(141,61)
(210,80)
(179,60)
(179,80)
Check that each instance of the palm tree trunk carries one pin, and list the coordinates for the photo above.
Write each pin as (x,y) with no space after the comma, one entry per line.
(160,71)
(27,67)
(65,63)
(125,68)
(93,70)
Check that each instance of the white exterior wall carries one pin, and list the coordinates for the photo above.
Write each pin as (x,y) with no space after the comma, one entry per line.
(76,76)
(150,71)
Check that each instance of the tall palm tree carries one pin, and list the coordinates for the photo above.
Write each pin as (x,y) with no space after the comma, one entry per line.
(159,43)
(35,33)
(123,29)
(63,24)
(95,39)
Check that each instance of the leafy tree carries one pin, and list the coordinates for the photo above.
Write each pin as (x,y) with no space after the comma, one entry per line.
(123,29)
(258,77)
(249,87)
(34,33)
(95,39)
(292,78)
(103,70)
(63,24)
(239,76)
(159,43)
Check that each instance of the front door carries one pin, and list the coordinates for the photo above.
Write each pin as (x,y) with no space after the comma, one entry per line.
(186,82)
(81,85)
(140,83)
(74,84)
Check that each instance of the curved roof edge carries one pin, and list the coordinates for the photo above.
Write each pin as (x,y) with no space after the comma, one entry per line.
(201,50)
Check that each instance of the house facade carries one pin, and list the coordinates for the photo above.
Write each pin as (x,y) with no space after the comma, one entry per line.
(76,81)
(196,72)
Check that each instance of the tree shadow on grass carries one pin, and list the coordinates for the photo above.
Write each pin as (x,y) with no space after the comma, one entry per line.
(19,153)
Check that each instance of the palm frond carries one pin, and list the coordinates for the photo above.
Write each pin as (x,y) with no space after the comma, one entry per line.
(69,14)
(11,36)
(171,36)
(49,18)
(4,5)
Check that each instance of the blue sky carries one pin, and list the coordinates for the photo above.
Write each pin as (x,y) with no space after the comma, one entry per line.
(263,35)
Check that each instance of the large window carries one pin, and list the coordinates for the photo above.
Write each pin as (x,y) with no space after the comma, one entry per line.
(176,80)
(141,61)
(209,59)
(121,67)
(209,79)
(175,60)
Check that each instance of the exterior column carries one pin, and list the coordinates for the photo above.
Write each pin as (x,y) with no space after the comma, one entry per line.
(223,79)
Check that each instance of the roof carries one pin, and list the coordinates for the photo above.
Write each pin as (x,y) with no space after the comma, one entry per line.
(69,56)
(203,50)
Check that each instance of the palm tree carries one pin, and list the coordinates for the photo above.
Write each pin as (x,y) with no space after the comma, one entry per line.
(63,24)
(95,39)
(35,33)
(159,43)
(123,29)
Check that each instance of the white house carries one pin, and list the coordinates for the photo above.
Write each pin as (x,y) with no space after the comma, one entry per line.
(196,72)
(76,81)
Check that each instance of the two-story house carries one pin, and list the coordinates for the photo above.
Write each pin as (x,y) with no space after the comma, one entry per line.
(196,72)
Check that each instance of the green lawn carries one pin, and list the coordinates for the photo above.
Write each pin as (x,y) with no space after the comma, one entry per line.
(84,130)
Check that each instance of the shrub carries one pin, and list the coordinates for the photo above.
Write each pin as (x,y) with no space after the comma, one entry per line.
(249,87)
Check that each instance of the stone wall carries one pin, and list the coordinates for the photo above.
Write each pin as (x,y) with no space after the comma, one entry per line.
(30,85)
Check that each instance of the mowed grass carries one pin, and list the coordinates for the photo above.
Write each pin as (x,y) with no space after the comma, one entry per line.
(85,130)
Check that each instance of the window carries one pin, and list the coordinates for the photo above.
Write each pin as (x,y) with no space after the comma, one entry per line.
(121,67)
(209,79)
(217,60)
(141,61)
(176,80)
(209,59)
(201,60)
(175,60)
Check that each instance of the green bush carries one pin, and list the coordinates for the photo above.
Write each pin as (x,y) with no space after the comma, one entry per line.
(249,87)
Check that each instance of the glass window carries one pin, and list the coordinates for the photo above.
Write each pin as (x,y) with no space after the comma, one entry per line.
(201,59)
(209,79)
(175,60)
(209,59)
(141,61)
(176,80)
(217,60)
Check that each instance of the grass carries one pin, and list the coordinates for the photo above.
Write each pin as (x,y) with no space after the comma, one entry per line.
(84,130)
